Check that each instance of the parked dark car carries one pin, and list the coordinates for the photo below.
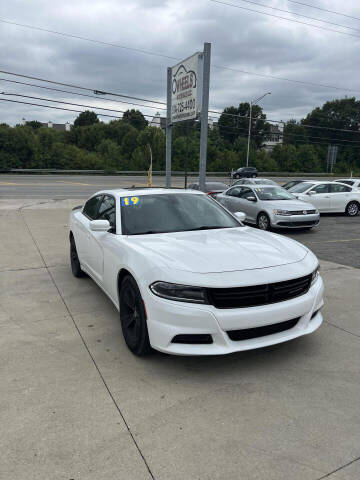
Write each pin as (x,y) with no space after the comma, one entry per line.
(292,183)
(245,172)
(211,188)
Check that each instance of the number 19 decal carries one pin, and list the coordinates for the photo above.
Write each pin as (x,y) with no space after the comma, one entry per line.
(126,201)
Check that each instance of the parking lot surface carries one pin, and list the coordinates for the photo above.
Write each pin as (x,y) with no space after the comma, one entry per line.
(76,404)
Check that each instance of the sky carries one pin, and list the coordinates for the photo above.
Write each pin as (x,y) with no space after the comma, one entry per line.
(241,40)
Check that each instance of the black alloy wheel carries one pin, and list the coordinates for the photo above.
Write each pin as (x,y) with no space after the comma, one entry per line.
(352,209)
(133,317)
(263,221)
(74,260)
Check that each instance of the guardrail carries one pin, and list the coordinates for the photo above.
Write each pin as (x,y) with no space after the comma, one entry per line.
(54,171)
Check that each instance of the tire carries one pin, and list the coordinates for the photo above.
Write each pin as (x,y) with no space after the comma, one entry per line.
(74,260)
(263,221)
(133,317)
(236,175)
(253,176)
(352,209)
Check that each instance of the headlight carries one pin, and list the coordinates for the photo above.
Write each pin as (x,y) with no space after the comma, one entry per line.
(282,212)
(315,275)
(180,293)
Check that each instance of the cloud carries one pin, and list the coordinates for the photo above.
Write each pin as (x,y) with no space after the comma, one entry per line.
(240,40)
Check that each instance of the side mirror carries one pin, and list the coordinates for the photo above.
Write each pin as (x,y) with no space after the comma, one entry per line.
(99,225)
(240,216)
(251,199)
(311,192)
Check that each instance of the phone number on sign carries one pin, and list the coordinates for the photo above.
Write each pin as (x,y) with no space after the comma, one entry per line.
(184,106)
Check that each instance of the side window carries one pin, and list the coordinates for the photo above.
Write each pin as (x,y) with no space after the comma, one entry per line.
(339,188)
(91,206)
(107,211)
(348,182)
(246,193)
(234,192)
(322,188)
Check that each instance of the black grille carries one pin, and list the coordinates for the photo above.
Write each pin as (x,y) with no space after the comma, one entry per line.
(195,338)
(301,212)
(257,295)
(249,333)
(298,224)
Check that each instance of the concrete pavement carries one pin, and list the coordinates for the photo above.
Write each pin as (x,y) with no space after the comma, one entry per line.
(76,404)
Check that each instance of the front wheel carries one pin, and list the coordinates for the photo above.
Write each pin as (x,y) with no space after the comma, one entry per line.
(133,317)
(74,260)
(263,221)
(352,209)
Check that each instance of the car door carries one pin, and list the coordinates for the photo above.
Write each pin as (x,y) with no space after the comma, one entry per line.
(82,230)
(247,204)
(339,197)
(229,199)
(320,197)
(97,240)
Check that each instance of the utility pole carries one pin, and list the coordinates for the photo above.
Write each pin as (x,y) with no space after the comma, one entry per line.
(168,130)
(252,102)
(204,115)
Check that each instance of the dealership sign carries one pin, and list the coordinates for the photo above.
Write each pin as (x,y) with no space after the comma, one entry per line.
(185,89)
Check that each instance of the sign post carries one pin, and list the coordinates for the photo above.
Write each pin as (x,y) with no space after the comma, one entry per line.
(188,99)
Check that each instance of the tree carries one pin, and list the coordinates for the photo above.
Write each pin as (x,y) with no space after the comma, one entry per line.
(86,118)
(34,124)
(295,133)
(135,118)
(234,123)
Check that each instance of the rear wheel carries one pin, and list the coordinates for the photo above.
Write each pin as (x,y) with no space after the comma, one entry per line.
(352,209)
(74,260)
(133,317)
(253,176)
(263,221)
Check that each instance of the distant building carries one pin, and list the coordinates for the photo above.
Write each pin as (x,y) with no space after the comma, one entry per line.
(274,137)
(60,127)
(158,121)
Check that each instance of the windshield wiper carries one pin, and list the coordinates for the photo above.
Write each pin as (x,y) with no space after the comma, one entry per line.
(206,227)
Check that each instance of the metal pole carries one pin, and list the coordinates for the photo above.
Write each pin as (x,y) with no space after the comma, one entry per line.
(204,116)
(249,135)
(168,129)
(187,153)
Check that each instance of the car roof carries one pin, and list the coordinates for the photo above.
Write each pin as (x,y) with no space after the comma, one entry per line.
(128,192)
(347,179)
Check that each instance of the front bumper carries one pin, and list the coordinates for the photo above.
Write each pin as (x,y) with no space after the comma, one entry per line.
(167,319)
(295,221)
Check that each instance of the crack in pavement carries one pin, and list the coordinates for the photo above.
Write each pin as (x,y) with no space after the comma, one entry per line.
(338,469)
(342,329)
(86,346)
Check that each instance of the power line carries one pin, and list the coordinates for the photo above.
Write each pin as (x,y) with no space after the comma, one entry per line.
(284,18)
(148,52)
(300,15)
(96,92)
(68,103)
(81,94)
(323,9)
(114,116)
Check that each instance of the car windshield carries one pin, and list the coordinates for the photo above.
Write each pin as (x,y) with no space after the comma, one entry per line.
(264,181)
(301,187)
(273,193)
(172,212)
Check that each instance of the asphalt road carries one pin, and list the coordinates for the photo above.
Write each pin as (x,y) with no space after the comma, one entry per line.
(81,186)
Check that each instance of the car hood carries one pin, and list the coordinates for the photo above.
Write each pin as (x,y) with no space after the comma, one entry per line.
(224,250)
(289,204)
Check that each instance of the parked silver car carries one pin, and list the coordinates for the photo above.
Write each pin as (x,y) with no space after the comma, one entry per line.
(255,181)
(269,206)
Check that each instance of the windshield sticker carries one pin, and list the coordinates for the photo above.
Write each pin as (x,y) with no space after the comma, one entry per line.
(126,201)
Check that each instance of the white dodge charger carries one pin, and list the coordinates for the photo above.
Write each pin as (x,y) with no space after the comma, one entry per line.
(189,278)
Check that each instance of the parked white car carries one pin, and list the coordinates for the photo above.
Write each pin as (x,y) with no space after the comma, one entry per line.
(352,182)
(269,206)
(255,181)
(329,196)
(189,278)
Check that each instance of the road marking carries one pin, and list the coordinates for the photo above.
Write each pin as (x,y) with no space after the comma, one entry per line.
(10,183)
(75,183)
(339,241)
